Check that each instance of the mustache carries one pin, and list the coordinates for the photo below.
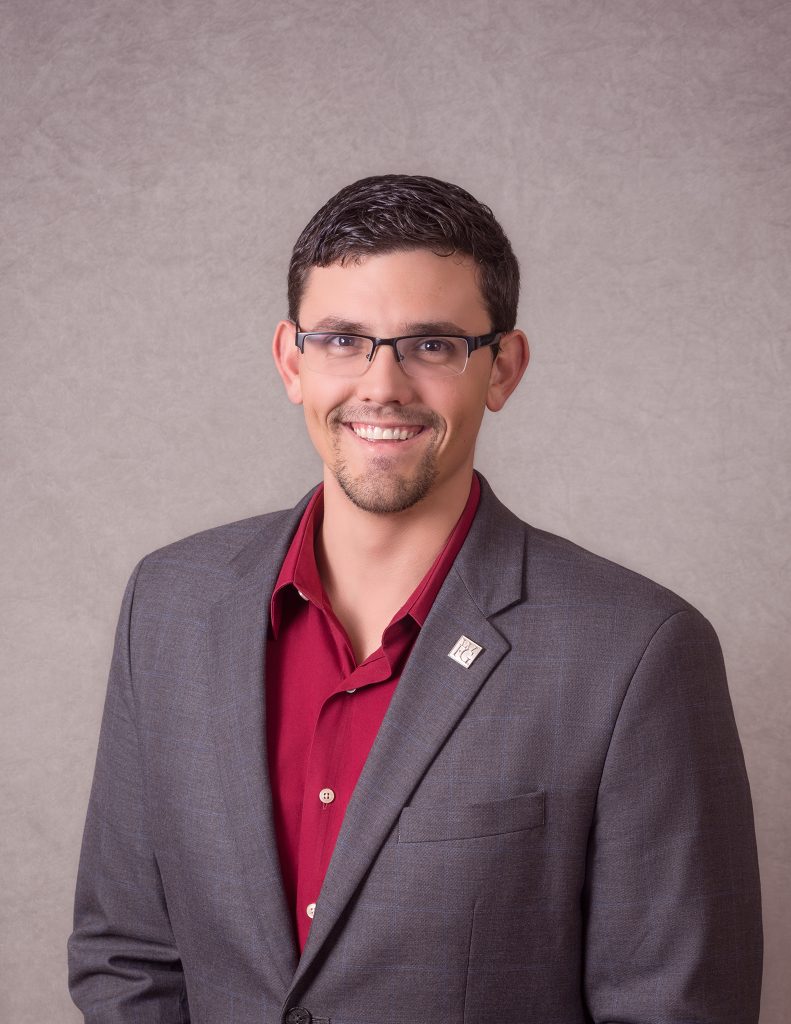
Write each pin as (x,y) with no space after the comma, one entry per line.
(374,414)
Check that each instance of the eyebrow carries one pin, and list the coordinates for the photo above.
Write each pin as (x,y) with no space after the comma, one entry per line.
(334,323)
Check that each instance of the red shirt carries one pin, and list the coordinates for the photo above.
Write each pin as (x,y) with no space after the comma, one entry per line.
(323,710)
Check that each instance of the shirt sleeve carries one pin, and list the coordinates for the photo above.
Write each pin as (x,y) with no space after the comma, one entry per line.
(672,896)
(123,961)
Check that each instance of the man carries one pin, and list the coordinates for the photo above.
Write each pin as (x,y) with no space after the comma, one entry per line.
(394,755)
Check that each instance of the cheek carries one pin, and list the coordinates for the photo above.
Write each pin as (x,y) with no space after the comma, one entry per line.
(316,407)
(464,415)
(467,429)
(317,431)
(318,399)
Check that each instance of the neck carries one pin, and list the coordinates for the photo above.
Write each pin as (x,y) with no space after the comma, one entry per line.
(382,557)
(372,542)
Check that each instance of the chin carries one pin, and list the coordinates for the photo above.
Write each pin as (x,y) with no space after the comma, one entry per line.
(382,494)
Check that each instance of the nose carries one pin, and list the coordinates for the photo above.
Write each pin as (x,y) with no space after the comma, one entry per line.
(384,381)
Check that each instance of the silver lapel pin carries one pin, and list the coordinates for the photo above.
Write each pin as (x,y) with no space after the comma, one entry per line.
(465,651)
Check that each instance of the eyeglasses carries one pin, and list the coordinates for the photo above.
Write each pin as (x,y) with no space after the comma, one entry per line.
(418,355)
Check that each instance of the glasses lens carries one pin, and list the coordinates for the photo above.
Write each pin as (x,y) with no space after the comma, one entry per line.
(435,356)
(341,354)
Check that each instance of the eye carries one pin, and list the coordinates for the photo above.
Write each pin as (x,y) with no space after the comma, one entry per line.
(333,345)
(434,349)
(433,346)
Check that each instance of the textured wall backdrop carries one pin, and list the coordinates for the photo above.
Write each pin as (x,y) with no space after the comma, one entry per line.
(158,160)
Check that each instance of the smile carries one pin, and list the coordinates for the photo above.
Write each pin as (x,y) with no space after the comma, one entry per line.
(369,432)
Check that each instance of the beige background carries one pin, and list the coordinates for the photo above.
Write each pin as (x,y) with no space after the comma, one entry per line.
(157,162)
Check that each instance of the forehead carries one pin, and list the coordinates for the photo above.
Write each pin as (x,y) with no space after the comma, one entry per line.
(390,290)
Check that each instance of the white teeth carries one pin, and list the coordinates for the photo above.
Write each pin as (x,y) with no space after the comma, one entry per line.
(369,433)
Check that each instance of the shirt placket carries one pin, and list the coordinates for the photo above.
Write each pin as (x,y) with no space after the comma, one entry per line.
(328,779)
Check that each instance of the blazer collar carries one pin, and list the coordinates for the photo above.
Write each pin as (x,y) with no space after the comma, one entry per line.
(492,562)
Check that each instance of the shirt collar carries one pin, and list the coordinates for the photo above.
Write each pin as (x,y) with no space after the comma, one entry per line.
(300,571)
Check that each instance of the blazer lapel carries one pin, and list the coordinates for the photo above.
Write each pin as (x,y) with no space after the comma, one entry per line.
(432,695)
(236,661)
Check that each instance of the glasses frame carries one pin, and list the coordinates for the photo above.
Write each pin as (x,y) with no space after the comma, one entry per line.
(474,342)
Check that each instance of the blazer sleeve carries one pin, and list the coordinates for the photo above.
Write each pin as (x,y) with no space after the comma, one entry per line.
(123,961)
(672,896)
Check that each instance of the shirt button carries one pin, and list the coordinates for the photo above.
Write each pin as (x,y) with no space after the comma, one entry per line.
(310,909)
(326,796)
(303,596)
(353,690)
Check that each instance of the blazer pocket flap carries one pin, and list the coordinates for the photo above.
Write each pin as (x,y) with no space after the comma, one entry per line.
(469,821)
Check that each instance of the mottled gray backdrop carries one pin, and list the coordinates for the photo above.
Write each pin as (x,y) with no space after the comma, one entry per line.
(158,160)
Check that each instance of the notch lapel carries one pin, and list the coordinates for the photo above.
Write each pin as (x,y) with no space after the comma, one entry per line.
(236,641)
(431,697)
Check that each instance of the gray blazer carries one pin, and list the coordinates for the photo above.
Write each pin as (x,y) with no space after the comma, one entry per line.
(559,832)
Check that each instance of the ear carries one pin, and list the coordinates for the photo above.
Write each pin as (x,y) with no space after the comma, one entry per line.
(507,369)
(287,358)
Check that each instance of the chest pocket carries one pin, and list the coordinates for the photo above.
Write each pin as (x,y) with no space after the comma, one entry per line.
(435,824)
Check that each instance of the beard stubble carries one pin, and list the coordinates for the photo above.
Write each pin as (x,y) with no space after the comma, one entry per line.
(383,490)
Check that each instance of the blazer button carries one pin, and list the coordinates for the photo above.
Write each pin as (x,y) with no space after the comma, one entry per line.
(298,1015)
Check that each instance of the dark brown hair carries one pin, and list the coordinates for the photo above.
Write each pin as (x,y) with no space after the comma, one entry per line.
(398,212)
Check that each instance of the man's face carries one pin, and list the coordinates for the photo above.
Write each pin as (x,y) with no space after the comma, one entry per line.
(387,296)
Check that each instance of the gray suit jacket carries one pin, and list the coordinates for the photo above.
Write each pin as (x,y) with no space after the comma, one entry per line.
(560,832)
